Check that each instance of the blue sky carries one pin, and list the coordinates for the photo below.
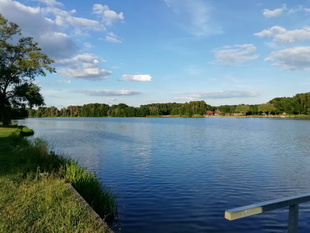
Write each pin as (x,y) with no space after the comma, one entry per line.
(158,51)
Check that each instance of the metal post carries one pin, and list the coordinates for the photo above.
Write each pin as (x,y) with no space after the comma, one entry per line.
(293,219)
(262,207)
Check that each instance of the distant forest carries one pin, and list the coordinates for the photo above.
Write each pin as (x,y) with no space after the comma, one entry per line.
(297,105)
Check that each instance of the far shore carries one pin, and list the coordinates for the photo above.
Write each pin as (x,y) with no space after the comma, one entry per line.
(301,116)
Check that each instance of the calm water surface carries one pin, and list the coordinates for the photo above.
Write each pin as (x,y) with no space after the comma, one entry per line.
(180,175)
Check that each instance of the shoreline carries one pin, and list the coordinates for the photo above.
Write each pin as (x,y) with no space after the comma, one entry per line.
(185,116)
(26,166)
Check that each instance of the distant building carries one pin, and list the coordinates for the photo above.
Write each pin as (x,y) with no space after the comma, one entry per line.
(212,113)
(208,113)
(217,112)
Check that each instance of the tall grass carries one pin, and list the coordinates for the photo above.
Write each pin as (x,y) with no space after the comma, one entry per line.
(32,160)
(90,188)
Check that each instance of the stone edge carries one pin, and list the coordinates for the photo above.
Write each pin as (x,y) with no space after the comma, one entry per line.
(91,210)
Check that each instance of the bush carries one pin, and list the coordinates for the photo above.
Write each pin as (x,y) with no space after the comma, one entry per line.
(24,131)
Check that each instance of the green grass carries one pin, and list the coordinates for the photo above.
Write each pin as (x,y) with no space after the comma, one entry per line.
(302,116)
(24,131)
(90,188)
(197,116)
(33,194)
(42,206)
(154,116)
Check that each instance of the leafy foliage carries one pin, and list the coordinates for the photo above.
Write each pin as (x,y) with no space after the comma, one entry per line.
(21,60)
(242,109)
(266,108)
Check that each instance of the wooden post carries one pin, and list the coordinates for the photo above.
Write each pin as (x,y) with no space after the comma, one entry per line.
(293,219)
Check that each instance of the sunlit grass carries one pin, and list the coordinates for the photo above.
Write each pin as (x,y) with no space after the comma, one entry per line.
(25,131)
(89,186)
(45,205)
(33,195)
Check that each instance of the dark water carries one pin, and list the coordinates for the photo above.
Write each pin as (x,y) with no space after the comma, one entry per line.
(180,175)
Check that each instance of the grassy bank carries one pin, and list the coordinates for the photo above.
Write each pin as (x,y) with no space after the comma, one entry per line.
(301,116)
(33,194)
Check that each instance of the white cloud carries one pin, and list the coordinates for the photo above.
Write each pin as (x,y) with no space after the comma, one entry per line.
(65,18)
(195,17)
(28,18)
(83,66)
(112,99)
(296,10)
(111,37)
(235,55)
(307,10)
(226,94)
(137,78)
(52,27)
(271,31)
(281,35)
(54,83)
(297,58)
(50,2)
(54,42)
(87,45)
(107,16)
(274,13)
(90,73)
(78,59)
(122,92)
(185,98)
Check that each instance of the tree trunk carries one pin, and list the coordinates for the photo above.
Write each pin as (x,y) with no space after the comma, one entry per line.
(5,113)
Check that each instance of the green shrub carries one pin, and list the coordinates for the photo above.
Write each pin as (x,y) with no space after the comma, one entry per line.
(25,131)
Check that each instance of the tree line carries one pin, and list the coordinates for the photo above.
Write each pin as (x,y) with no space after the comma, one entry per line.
(299,104)
(296,105)
(123,110)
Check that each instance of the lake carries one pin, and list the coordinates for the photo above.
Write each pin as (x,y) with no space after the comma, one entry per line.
(181,174)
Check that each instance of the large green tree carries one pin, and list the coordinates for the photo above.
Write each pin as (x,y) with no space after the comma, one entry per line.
(21,61)
(266,108)
(242,109)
